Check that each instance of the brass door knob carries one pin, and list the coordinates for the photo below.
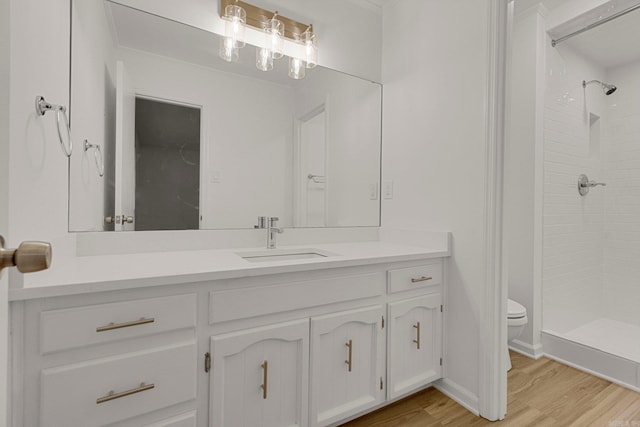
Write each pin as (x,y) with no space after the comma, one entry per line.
(28,258)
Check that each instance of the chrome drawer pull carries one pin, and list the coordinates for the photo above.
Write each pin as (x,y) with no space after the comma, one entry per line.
(421,279)
(111,326)
(112,395)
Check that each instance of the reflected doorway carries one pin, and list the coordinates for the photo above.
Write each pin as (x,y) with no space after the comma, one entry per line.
(312,203)
(167,165)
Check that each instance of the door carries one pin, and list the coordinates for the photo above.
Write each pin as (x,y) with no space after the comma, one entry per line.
(125,149)
(347,364)
(312,205)
(259,377)
(415,340)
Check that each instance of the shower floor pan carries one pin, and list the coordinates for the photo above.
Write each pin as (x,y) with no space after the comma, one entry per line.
(604,347)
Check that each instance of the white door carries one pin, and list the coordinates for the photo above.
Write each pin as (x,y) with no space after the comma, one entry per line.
(347,364)
(415,340)
(125,186)
(259,377)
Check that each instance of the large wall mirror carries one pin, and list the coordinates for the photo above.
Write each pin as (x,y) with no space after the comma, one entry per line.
(190,141)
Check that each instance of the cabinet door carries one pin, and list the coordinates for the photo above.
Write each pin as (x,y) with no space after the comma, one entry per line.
(415,340)
(347,364)
(259,377)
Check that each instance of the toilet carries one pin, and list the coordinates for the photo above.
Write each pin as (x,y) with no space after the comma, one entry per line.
(516,321)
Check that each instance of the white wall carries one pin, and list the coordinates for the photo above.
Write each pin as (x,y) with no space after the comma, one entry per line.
(353,114)
(350,37)
(38,193)
(573,225)
(622,209)
(434,129)
(252,162)
(523,176)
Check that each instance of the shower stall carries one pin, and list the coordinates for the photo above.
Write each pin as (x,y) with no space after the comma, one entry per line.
(591,231)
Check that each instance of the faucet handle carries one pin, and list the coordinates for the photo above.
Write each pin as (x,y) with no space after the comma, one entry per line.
(262,222)
(273,220)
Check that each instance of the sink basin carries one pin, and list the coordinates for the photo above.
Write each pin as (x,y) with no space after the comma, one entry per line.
(272,255)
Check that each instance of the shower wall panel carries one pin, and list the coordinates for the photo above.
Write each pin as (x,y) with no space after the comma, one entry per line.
(622,197)
(573,225)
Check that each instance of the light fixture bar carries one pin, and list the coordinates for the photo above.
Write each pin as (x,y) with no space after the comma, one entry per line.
(257,18)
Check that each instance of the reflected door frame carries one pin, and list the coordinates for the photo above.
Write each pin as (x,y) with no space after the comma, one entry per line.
(301,171)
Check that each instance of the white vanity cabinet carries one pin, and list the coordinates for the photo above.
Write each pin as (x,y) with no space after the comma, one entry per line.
(415,328)
(294,348)
(415,336)
(259,377)
(101,364)
(347,364)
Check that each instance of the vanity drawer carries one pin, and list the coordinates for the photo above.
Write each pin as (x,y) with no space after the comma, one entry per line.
(242,303)
(70,394)
(405,279)
(96,324)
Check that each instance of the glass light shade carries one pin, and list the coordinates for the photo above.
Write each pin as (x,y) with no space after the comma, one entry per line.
(310,43)
(274,33)
(235,24)
(296,68)
(228,51)
(264,59)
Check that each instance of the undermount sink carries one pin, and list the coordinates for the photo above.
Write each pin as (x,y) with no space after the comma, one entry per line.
(270,255)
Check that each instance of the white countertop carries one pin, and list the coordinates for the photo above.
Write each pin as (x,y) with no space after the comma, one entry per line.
(113,272)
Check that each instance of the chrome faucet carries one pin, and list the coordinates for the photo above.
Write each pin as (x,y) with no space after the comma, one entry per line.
(272,230)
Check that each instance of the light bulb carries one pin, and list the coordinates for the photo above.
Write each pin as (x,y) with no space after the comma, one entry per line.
(264,59)
(235,23)
(296,68)
(310,43)
(228,51)
(274,31)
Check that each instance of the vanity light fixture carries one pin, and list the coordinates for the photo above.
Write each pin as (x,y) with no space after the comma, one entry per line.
(276,29)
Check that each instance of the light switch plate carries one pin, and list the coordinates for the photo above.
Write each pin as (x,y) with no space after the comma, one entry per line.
(373,191)
(387,190)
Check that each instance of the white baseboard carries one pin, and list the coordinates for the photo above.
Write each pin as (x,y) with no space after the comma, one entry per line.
(460,394)
(526,349)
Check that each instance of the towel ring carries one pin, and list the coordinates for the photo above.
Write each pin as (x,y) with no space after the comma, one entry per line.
(42,106)
(97,152)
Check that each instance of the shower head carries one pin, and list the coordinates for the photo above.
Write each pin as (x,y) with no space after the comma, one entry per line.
(607,88)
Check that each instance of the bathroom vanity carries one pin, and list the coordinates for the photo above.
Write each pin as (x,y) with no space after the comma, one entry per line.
(291,342)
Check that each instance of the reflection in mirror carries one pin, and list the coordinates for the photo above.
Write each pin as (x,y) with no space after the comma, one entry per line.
(192,141)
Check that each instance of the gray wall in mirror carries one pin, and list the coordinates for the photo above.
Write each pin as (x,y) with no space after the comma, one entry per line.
(307,151)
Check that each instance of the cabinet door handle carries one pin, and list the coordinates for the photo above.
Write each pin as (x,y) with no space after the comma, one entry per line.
(112,395)
(421,279)
(265,378)
(417,340)
(111,326)
(349,345)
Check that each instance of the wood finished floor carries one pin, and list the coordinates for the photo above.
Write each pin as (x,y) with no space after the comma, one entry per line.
(541,393)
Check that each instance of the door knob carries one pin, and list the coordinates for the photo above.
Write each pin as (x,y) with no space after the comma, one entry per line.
(127,219)
(28,258)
